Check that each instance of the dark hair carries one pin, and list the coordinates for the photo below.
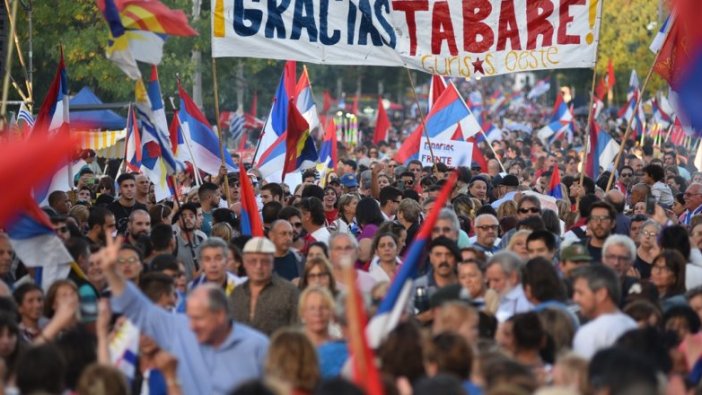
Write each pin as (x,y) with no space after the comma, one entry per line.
(401,353)
(600,277)
(134,248)
(154,285)
(543,281)
(685,312)
(20,292)
(41,369)
(275,189)
(314,206)
(544,235)
(675,237)
(124,177)
(78,247)
(192,207)
(164,262)
(389,193)
(639,218)
(528,332)
(321,245)
(270,211)
(336,386)
(533,223)
(622,371)
(158,212)
(55,196)
(312,190)
(651,344)
(97,216)
(676,263)
(288,212)
(602,204)
(586,203)
(451,353)
(161,236)
(78,348)
(205,189)
(654,171)
(368,212)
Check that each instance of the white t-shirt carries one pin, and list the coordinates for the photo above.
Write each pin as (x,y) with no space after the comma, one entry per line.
(601,333)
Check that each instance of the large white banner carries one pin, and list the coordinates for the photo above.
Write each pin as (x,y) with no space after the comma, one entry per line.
(459,38)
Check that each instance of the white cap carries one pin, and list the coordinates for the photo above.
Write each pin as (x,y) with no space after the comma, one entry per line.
(259,245)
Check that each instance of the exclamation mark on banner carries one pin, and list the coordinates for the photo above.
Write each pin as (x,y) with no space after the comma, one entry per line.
(592,17)
(218,26)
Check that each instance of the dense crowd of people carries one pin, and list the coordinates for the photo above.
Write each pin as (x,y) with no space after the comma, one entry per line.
(599,292)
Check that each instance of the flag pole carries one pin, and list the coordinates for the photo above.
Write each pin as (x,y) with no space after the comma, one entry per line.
(421,116)
(219,128)
(260,138)
(588,127)
(630,122)
(8,67)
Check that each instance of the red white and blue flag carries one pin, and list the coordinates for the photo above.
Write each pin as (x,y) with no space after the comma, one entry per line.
(393,305)
(271,159)
(447,114)
(629,110)
(554,185)
(561,124)
(203,141)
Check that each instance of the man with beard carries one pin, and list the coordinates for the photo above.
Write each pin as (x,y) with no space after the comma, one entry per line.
(443,258)
(188,238)
(600,224)
(100,221)
(139,229)
(503,275)
(126,203)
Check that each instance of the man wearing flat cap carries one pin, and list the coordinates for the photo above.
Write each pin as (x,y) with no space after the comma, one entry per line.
(265,301)
(506,190)
(443,257)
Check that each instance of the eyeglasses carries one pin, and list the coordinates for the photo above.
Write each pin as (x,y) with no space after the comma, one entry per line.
(619,258)
(488,227)
(649,234)
(296,224)
(444,229)
(317,276)
(626,175)
(658,268)
(600,218)
(687,194)
(532,210)
(131,260)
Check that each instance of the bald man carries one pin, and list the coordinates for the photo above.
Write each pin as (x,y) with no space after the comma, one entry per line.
(287,263)
(617,199)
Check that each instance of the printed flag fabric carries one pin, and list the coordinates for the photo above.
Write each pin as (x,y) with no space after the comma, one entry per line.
(398,295)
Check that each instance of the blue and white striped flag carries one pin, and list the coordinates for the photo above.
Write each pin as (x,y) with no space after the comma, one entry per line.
(236,126)
(25,116)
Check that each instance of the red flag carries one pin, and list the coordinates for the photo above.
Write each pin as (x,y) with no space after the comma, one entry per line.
(354,106)
(326,102)
(330,130)
(250,219)
(297,127)
(478,156)
(54,102)
(591,164)
(611,80)
(365,372)
(24,164)
(601,90)
(382,124)
(254,105)
(677,133)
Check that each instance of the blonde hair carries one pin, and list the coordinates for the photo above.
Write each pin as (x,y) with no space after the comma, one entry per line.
(80,213)
(323,292)
(293,359)
(222,230)
(513,239)
(99,379)
(507,209)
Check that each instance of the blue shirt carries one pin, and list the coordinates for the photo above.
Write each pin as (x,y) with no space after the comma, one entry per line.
(202,369)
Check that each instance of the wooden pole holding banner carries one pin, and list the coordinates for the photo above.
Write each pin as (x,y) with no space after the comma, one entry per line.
(219,129)
(8,67)
(630,122)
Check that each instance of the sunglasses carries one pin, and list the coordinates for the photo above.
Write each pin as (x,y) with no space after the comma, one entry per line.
(626,175)
(532,210)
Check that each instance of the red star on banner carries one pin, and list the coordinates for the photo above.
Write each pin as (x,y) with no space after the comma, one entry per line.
(478,67)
